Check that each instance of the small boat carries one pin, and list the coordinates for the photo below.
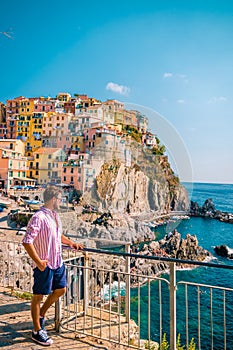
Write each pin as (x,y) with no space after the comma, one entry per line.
(33,204)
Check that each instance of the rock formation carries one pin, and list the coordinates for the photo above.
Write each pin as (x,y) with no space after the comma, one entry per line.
(146,184)
(224,250)
(119,227)
(171,246)
(208,211)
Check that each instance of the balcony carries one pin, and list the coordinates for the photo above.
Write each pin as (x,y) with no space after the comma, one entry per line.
(120,306)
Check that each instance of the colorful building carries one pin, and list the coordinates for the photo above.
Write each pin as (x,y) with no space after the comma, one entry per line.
(13,164)
(46,167)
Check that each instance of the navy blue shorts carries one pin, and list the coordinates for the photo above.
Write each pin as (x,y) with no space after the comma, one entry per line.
(48,280)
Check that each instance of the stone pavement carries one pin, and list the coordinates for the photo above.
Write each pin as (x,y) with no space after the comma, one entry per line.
(16,326)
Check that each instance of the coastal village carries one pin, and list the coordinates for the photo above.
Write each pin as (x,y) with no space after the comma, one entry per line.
(64,139)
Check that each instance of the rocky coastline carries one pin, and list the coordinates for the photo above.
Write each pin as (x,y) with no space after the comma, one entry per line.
(171,246)
(208,210)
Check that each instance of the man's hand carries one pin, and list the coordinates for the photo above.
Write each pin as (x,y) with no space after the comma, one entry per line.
(77,246)
(42,265)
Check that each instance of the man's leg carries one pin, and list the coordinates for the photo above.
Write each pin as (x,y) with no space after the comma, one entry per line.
(35,311)
(52,298)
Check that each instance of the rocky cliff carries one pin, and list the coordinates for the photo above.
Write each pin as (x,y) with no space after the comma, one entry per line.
(148,185)
(132,190)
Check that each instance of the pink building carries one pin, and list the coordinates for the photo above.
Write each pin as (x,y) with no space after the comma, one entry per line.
(43,104)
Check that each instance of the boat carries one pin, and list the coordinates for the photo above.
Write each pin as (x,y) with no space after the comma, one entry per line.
(33,204)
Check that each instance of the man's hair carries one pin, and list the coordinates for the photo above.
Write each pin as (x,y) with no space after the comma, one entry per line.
(50,192)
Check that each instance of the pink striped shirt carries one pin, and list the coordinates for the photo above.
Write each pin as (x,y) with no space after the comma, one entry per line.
(44,231)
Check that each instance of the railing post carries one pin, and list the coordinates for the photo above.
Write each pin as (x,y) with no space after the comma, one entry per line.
(86,279)
(172,306)
(58,315)
(127,289)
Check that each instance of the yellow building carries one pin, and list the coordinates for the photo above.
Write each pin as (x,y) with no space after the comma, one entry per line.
(63,97)
(28,125)
(46,167)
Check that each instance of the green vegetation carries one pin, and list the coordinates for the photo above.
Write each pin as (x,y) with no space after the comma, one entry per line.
(134,133)
(165,345)
(159,150)
(23,295)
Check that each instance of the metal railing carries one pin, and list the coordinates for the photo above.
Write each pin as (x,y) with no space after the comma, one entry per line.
(109,300)
(197,311)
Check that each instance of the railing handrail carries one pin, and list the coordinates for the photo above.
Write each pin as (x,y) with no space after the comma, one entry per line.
(160,258)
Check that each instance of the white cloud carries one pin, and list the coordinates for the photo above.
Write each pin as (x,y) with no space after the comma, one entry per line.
(120,89)
(182,77)
(180,101)
(168,75)
(217,100)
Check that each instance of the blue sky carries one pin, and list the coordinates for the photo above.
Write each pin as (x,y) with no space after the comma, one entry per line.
(171,57)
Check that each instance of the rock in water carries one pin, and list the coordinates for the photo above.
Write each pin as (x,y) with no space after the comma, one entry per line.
(224,250)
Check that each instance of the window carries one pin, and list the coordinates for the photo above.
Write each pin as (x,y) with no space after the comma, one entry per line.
(37,172)
(72,170)
(64,170)
(64,178)
(72,179)
(50,156)
(37,156)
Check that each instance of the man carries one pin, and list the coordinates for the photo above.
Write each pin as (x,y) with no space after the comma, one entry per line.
(42,242)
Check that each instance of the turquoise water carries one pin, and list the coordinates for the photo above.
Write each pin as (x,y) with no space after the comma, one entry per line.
(209,234)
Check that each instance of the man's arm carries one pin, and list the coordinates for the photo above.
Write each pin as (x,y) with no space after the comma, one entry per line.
(41,264)
(72,244)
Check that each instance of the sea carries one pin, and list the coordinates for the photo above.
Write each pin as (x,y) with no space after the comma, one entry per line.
(209,232)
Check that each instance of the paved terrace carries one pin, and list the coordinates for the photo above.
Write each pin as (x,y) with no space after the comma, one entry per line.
(16,327)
